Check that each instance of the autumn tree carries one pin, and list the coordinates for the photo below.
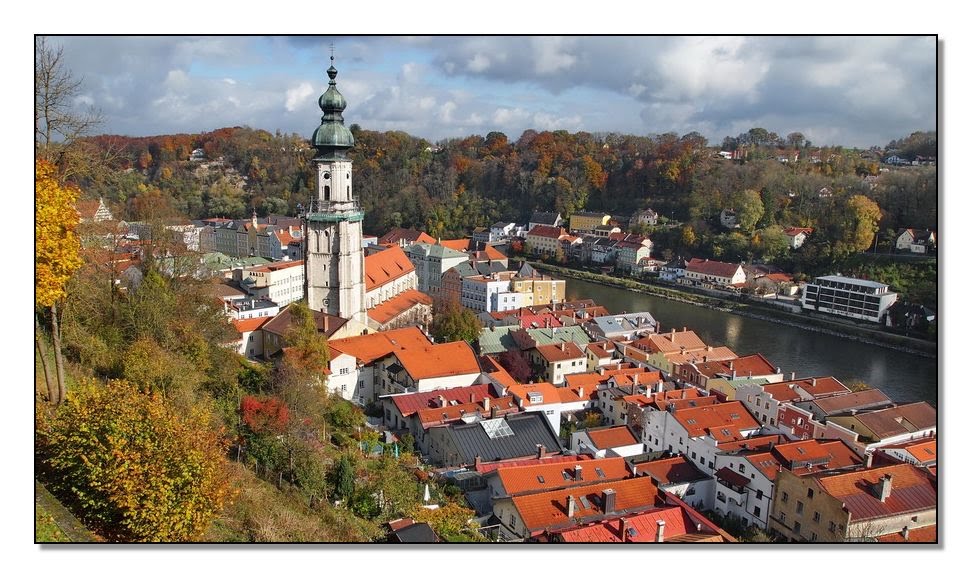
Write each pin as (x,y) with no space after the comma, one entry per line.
(56,258)
(308,354)
(136,468)
(517,364)
(455,323)
(749,209)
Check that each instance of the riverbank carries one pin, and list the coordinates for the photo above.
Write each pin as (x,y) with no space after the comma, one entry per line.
(754,309)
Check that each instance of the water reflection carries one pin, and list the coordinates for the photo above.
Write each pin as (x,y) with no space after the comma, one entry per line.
(902,376)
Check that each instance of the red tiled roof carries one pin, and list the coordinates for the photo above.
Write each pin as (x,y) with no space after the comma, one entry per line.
(560,351)
(671,470)
(548,510)
(449,413)
(546,231)
(386,266)
(246,325)
(815,386)
(926,535)
(408,235)
(326,324)
(794,231)
(780,277)
(713,268)
(811,456)
(714,354)
(748,366)
(924,450)
(671,342)
(912,490)
(572,393)
(278,266)
(723,421)
(732,477)
(754,443)
(612,437)
(409,403)
(87,209)
(662,404)
(527,479)
(641,528)
(848,401)
(385,312)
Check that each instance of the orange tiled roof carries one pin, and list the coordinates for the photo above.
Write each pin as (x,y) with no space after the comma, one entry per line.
(671,342)
(542,477)
(722,421)
(408,235)
(385,312)
(548,510)
(546,231)
(811,456)
(612,437)
(386,266)
(912,490)
(486,467)
(594,378)
(899,420)
(438,360)
(549,393)
(923,451)
(279,266)
(367,348)
(926,535)
(714,354)
(713,268)
(794,231)
(750,365)
(410,403)
(246,325)
(87,209)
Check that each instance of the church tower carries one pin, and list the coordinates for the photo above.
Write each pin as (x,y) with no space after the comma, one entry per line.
(334,260)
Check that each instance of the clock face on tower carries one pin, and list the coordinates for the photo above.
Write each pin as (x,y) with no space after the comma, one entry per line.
(327,176)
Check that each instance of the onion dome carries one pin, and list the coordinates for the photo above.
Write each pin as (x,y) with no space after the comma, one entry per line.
(332,139)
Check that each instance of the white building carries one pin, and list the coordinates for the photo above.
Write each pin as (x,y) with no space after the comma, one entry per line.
(482,293)
(848,297)
(282,283)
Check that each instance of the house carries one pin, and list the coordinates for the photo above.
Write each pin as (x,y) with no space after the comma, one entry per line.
(405,237)
(411,307)
(490,293)
(670,342)
(547,219)
(399,411)
(586,221)
(749,366)
(387,274)
(492,440)
(795,236)
(250,343)
(630,254)
(673,270)
(697,432)
(478,252)
(680,477)
(599,354)
(646,217)
(623,327)
(767,401)
(446,413)
(501,230)
(282,283)
(826,407)
(848,297)
(891,425)
(855,506)
(90,211)
(551,401)
(714,273)
(408,531)
(922,452)
(728,219)
(746,478)
(276,329)
(554,361)
(427,366)
(916,241)
(251,308)
(431,261)
(608,441)
(544,240)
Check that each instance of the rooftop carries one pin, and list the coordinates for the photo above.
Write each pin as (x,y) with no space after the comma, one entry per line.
(903,419)
(548,510)
(386,266)
(856,400)
(612,437)
(671,470)
(368,348)
(912,490)
(713,268)
(563,351)
(724,421)
(554,476)
(852,281)
(438,360)
(410,403)
(514,436)
(385,312)
(326,324)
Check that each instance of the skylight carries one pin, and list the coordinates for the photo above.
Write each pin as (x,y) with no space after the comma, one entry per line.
(496,428)
(585,502)
(600,472)
(540,479)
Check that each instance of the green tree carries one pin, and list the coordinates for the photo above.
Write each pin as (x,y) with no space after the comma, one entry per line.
(343,478)
(749,209)
(456,323)
(135,467)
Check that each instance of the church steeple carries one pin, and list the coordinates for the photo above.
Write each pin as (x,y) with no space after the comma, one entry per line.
(332,139)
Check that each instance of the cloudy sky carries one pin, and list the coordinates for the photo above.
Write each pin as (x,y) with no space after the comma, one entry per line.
(855,91)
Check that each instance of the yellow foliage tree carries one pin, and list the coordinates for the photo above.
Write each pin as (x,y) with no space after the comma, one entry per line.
(136,468)
(56,257)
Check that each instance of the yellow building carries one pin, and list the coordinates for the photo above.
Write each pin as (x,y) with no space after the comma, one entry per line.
(587,222)
(543,289)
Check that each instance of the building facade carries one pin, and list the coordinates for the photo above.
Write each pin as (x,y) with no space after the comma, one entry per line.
(848,297)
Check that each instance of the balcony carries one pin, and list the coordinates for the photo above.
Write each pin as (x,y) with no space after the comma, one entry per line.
(334,211)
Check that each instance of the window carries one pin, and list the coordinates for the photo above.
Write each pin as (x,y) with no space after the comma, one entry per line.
(783,517)
(810,493)
(813,536)
(344,371)
(799,507)
(756,511)
(693,455)
(816,516)
(784,497)
(742,468)
(832,527)
(796,527)
(759,494)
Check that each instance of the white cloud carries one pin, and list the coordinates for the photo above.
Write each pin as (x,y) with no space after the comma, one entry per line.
(297,96)
(478,63)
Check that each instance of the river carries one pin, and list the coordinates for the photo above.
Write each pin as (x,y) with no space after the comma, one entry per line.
(901,376)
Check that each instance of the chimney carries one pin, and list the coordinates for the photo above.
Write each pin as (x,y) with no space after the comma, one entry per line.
(869,460)
(730,367)
(634,470)
(580,392)
(813,382)
(608,498)
(673,334)
(571,506)
(519,403)
(660,533)
(472,398)
(792,376)
(904,532)
(623,529)
(485,403)
(477,462)
(541,451)
(733,371)
(442,401)
(578,473)
(884,487)
(684,329)
(493,412)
